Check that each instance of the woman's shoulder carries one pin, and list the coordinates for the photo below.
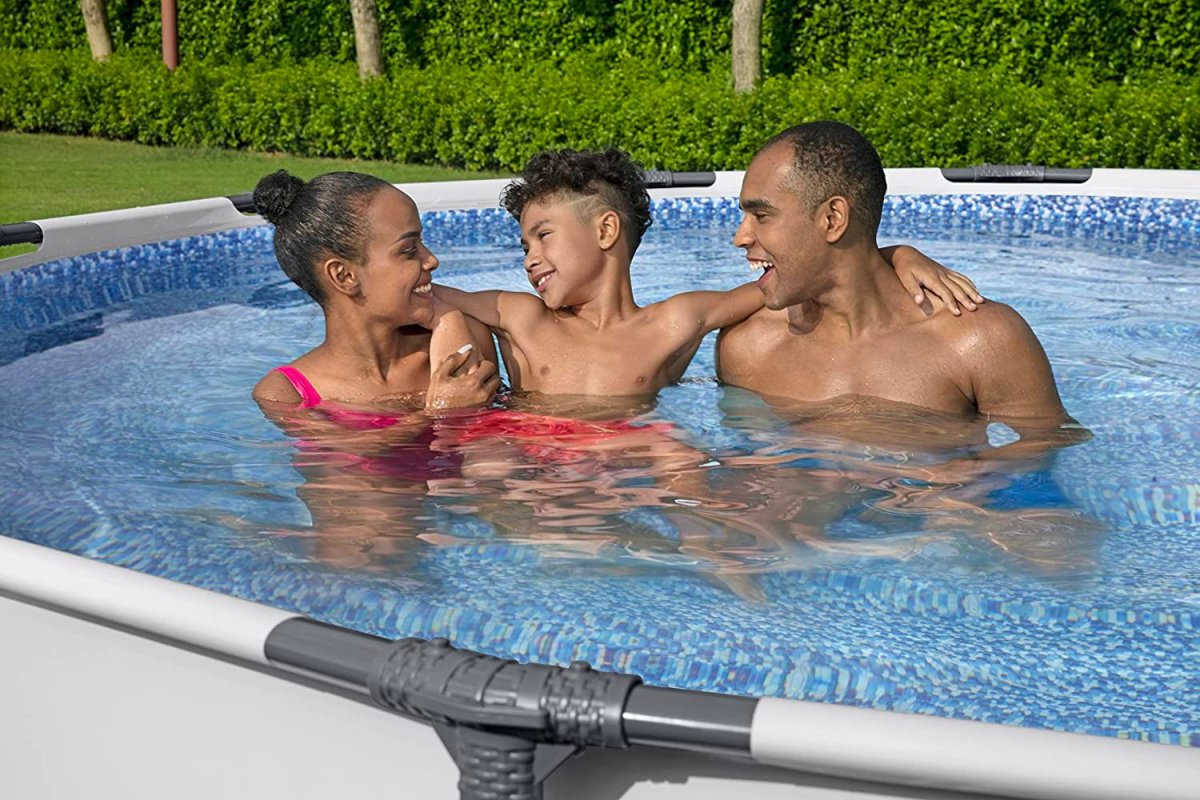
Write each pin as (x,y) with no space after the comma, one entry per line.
(276,387)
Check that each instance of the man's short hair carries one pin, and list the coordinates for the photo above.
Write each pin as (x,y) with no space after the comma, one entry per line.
(608,179)
(830,159)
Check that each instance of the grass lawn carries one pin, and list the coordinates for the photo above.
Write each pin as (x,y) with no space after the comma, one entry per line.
(52,176)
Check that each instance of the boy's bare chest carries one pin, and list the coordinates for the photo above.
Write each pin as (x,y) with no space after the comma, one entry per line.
(574,358)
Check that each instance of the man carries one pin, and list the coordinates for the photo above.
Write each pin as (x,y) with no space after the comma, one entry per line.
(838,321)
(839,326)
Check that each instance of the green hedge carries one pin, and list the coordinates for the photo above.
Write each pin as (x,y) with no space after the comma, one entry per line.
(1110,38)
(495,118)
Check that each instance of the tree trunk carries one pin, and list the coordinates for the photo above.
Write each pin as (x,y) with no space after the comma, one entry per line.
(366,38)
(96,20)
(170,33)
(747,44)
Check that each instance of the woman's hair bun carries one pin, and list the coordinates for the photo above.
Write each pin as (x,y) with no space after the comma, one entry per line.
(275,193)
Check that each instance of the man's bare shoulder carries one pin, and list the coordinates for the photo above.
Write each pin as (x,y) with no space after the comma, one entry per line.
(742,348)
(994,328)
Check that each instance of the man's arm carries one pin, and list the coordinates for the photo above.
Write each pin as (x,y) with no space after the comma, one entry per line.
(1012,383)
(1010,374)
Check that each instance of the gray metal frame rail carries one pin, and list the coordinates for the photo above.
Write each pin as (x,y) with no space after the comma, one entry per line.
(510,725)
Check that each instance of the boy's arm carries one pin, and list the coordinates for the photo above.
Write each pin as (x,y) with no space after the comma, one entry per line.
(499,310)
(919,273)
(702,312)
(450,334)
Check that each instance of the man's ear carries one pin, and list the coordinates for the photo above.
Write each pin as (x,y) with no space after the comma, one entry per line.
(834,217)
(341,276)
(608,228)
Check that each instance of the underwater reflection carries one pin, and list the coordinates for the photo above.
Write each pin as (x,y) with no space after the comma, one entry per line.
(611,487)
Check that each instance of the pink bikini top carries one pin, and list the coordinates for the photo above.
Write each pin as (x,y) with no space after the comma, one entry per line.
(416,461)
(347,417)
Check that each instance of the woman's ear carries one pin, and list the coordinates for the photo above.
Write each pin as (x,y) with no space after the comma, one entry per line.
(341,276)
(608,229)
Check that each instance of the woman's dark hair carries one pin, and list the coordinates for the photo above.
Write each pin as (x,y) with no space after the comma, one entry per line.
(324,216)
(609,176)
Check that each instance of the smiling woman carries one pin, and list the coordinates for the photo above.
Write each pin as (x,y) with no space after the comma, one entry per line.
(353,243)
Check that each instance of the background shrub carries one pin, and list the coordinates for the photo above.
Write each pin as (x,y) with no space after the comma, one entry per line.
(1111,39)
(495,117)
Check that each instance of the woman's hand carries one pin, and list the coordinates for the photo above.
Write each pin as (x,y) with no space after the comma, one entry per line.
(453,384)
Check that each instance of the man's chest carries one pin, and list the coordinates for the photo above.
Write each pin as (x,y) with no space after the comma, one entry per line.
(903,368)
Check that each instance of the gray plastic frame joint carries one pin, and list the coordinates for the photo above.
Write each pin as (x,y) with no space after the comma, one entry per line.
(507,725)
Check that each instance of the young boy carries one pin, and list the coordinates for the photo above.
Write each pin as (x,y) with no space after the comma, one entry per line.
(582,216)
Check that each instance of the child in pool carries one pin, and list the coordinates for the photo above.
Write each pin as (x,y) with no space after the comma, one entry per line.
(353,243)
(582,216)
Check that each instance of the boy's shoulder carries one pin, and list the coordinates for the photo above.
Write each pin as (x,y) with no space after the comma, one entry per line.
(521,306)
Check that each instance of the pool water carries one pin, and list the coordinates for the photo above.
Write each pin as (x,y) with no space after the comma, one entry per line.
(850,552)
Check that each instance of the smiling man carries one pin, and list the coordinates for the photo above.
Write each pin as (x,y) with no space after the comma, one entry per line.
(837,320)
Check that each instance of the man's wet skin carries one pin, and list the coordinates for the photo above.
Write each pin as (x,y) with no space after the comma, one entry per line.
(838,322)
(918,477)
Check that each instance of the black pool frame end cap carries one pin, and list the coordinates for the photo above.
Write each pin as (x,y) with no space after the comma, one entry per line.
(21,233)
(1016,173)
(657,179)
(244,202)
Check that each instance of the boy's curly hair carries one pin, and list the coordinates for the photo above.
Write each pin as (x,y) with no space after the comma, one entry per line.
(610,177)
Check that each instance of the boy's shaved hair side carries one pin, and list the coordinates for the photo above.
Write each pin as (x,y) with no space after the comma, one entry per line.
(595,180)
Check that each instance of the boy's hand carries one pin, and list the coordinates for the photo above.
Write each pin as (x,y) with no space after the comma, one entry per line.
(454,385)
(919,273)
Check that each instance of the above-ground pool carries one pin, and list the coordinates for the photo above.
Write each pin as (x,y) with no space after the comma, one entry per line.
(848,552)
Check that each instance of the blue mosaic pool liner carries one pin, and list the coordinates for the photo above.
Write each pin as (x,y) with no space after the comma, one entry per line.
(34,297)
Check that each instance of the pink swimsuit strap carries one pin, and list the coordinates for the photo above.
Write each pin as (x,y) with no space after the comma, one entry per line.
(347,417)
(309,396)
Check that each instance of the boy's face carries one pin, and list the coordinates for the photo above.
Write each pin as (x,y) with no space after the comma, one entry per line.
(564,255)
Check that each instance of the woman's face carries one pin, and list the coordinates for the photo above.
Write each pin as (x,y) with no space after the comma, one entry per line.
(395,280)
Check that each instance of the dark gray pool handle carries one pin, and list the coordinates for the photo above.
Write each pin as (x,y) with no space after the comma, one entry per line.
(1016,173)
(21,233)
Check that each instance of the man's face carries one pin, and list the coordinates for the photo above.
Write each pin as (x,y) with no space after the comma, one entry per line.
(779,234)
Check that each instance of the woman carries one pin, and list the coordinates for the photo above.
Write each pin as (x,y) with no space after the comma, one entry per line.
(353,243)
